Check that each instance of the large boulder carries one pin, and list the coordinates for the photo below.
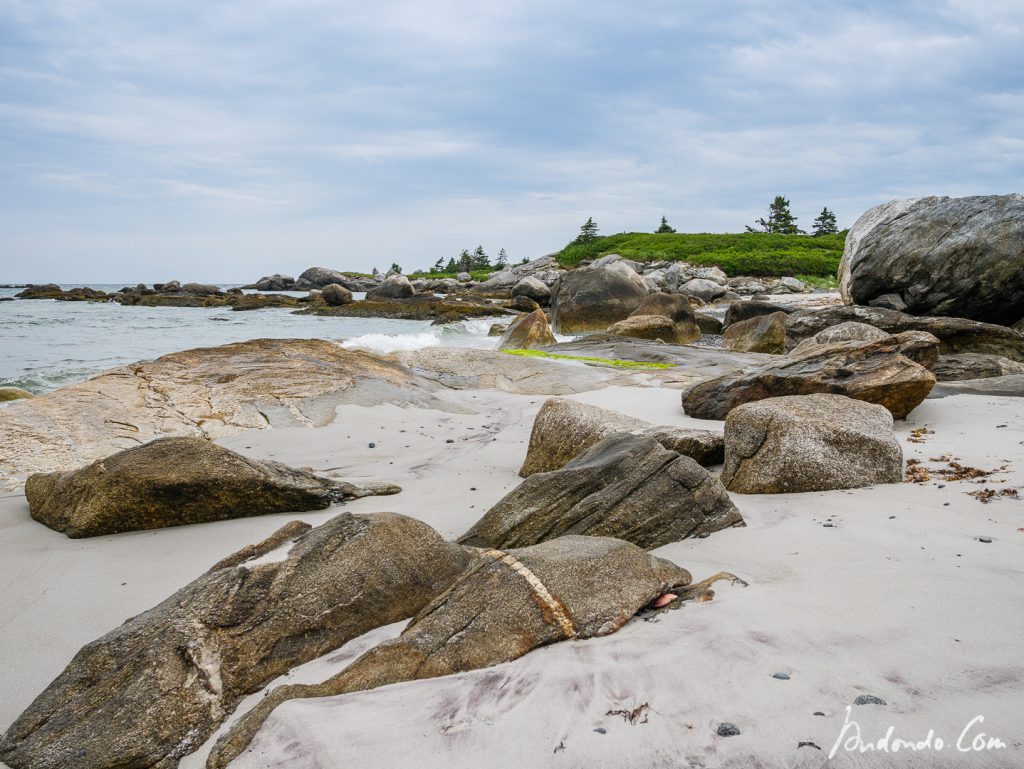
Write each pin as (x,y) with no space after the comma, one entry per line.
(851,331)
(174,482)
(505,605)
(534,289)
(647,327)
(677,309)
(703,288)
(593,298)
(625,486)
(318,277)
(972,365)
(500,284)
(393,287)
(563,429)
(527,332)
(751,308)
(202,289)
(275,282)
(892,372)
(955,335)
(961,257)
(809,443)
(155,688)
(763,333)
(335,295)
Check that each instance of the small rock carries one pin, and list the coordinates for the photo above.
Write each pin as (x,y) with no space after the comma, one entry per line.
(818,713)
(727,730)
(450,440)
(601,730)
(373,445)
(985,539)
(782,676)
(869,699)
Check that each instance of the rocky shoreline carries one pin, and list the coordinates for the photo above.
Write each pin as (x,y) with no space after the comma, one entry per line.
(843,481)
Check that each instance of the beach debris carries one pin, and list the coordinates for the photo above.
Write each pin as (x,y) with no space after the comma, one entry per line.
(919,435)
(632,716)
(663,600)
(988,495)
(155,688)
(807,745)
(626,486)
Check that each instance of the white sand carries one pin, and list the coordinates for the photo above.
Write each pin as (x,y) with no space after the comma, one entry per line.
(913,609)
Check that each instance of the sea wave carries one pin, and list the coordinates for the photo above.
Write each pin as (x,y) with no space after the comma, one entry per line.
(393,342)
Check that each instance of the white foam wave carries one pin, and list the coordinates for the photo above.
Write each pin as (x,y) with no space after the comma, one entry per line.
(393,342)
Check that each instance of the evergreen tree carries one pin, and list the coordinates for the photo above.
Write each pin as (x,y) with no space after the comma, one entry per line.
(825,224)
(451,268)
(502,261)
(780,219)
(465,263)
(395,268)
(588,232)
(664,227)
(438,265)
(481,261)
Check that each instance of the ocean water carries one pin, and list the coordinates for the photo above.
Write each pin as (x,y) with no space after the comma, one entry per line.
(45,344)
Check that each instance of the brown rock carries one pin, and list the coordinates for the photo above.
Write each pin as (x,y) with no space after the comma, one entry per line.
(527,333)
(592,298)
(763,333)
(888,371)
(646,327)
(336,295)
(677,308)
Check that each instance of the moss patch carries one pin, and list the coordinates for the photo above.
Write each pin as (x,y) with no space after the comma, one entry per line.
(585,359)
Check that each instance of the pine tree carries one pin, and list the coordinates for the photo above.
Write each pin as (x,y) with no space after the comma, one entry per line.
(780,219)
(481,261)
(438,265)
(451,268)
(502,261)
(395,268)
(825,224)
(588,232)
(664,227)
(465,263)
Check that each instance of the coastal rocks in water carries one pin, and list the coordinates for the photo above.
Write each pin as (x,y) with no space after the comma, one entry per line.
(14,394)
(393,287)
(523,304)
(503,606)
(335,295)
(563,429)
(646,327)
(527,333)
(534,289)
(851,331)
(751,308)
(419,307)
(764,333)
(625,486)
(275,282)
(955,335)
(971,365)
(677,309)
(593,298)
(809,443)
(702,288)
(318,277)
(174,482)
(155,688)
(890,371)
(960,257)
(202,289)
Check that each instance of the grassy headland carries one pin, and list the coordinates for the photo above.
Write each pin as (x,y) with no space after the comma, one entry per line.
(747,253)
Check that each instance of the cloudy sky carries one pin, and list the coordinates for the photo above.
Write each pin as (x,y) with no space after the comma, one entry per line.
(221,141)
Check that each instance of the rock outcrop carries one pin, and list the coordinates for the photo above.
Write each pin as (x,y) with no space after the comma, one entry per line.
(532,288)
(851,331)
(961,257)
(155,688)
(971,365)
(505,605)
(563,429)
(336,295)
(175,482)
(624,486)
(891,372)
(593,298)
(809,443)
(14,394)
(763,333)
(393,287)
(751,308)
(527,333)
(676,308)
(955,335)
(647,327)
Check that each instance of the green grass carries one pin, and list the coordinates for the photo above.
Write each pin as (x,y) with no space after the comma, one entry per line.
(746,253)
(829,281)
(585,359)
(478,275)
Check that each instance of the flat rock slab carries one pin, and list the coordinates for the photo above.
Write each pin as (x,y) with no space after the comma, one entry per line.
(503,606)
(625,486)
(697,361)
(1011,386)
(175,482)
(155,688)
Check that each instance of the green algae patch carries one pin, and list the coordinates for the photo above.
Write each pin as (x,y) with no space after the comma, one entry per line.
(633,364)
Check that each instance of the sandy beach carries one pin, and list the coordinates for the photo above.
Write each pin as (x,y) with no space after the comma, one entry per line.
(887,590)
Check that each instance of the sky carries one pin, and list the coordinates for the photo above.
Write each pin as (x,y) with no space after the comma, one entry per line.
(221,141)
